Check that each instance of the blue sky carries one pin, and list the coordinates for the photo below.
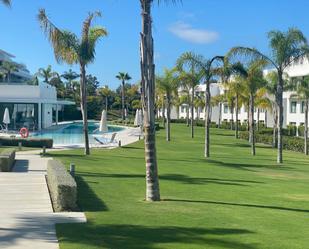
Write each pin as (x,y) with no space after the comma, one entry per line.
(209,27)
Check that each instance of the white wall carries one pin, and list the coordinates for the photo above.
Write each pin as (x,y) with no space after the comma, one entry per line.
(26,93)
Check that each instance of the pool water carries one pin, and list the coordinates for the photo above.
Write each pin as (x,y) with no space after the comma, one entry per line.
(72,134)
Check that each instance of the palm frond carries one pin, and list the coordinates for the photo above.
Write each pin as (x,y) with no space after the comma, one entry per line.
(65,43)
(247,55)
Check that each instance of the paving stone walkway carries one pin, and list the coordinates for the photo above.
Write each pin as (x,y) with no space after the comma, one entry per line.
(27,219)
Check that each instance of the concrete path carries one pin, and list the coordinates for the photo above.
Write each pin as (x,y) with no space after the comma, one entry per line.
(27,219)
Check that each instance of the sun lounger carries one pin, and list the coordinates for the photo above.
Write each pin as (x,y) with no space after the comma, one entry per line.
(106,141)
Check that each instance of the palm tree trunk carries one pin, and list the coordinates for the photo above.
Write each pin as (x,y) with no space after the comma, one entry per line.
(192,113)
(207,115)
(236,113)
(251,123)
(248,117)
(83,105)
(122,100)
(187,115)
(258,119)
(280,116)
(106,104)
(163,115)
(275,113)
(306,126)
(148,97)
(265,121)
(168,118)
(232,112)
(220,115)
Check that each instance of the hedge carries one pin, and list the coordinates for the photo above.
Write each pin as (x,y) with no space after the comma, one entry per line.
(288,143)
(27,142)
(62,187)
(7,160)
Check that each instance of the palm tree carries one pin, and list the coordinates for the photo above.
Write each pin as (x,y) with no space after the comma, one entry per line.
(123,77)
(168,84)
(8,68)
(73,50)
(105,92)
(46,74)
(236,88)
(70,76)
(286,48)
(190,76)
(302,89)
(206,72)
(253,80)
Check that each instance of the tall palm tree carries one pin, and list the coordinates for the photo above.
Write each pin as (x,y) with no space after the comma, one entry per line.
(124,77)
(286,48)
(73,50)
(205,72)
(46,74)
(168,84)
(302,89)
(236,88)
(253,80)
(190,76)
(148,101)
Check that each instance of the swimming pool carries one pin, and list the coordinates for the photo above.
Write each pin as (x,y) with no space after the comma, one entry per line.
(72,134)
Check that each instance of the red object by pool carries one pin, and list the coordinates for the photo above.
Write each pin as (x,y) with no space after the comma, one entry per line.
(24,132)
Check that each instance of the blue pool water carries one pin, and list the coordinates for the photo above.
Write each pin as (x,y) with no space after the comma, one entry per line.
(72,134)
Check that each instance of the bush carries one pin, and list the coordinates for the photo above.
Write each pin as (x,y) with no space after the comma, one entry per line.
(291,130)
(266,131)
(7,160)
(301,130)
(225,125)
(62,187)
(27,142)
(288,143)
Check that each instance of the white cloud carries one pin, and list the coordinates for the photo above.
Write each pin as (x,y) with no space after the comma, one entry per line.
(188,33)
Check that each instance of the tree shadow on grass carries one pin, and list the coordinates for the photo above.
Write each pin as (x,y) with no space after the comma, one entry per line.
(179,178)
(241,205)
(142,237)
(247,166)
(88,200)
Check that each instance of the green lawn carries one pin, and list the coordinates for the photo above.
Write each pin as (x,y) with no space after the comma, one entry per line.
(232,200)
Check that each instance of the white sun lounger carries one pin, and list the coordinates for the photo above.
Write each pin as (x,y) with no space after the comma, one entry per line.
(105,141)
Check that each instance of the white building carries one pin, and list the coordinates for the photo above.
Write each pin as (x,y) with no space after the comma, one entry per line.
(33,106)
(293,106)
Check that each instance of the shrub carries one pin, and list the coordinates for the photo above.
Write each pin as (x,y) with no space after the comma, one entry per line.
(27,142)
(7,160)
(225,125)
(62,187)
(291,130)
(288,143)
(268,131)
(301,130)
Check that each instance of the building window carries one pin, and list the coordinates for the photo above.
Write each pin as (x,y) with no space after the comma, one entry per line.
(182,109)
(226,109)
(262,110)
(293,107)
(302,109)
